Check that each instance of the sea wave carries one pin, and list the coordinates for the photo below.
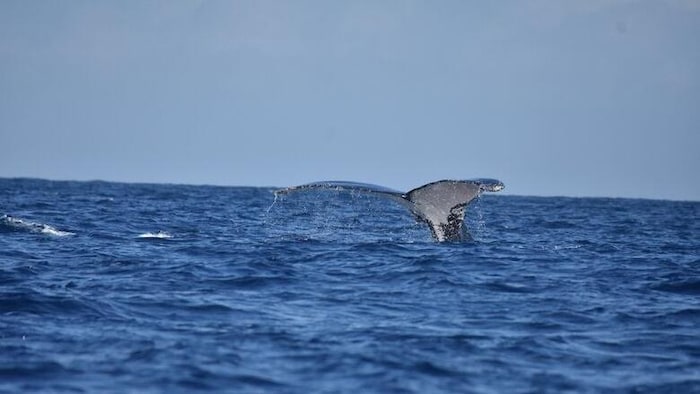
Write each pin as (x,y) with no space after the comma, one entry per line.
(194,288)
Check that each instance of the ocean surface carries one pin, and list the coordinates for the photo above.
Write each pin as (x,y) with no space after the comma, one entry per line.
(119,288)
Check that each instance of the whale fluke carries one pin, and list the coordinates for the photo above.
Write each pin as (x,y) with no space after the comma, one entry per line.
(440,204)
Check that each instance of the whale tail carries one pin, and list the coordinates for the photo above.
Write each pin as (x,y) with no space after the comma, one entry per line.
(440,204)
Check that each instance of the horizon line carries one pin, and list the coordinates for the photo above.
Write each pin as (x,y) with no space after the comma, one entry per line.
(505,193)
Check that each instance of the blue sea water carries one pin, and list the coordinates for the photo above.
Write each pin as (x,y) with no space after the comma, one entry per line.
(109,287)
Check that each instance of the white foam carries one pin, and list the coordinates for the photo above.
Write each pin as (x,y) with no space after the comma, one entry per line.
(156,235)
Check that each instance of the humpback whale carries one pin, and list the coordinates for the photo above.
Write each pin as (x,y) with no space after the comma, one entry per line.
(441,204)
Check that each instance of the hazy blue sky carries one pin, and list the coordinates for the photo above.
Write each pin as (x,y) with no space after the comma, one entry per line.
(579,98)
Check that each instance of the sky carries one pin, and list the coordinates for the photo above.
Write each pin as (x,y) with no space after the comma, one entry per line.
(554,98)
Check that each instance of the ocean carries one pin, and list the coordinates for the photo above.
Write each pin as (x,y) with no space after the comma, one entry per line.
(147,288)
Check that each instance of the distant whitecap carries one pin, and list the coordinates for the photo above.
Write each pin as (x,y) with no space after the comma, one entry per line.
(156,235)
